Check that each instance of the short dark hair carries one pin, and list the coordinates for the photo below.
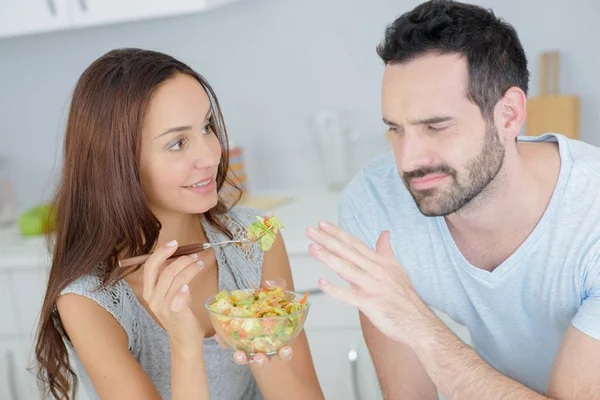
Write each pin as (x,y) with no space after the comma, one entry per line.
(495,57)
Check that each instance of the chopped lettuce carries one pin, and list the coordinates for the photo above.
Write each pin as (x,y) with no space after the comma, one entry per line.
(244,318)
(257,303)
(265,230)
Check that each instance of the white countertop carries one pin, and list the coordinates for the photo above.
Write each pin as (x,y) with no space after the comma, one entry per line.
(307,208)
(18,252)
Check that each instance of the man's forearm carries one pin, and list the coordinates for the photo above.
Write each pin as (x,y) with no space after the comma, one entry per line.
(459,372)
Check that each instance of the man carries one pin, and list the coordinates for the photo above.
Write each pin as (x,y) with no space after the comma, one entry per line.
(500,232)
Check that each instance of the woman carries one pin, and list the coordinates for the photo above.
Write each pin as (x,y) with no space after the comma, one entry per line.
(145,162)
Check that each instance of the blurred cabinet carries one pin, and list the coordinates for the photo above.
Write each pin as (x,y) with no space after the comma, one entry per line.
(98,12)
(19,17)
(22,17)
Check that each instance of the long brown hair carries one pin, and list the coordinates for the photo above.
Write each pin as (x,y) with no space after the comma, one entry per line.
(100,207)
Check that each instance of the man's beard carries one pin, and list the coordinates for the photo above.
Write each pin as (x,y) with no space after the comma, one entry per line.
(481,171)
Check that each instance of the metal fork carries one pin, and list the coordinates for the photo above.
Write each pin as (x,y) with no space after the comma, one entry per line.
(206,246)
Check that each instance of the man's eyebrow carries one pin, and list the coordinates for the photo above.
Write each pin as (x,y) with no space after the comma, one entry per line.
(431,120)
(424,121)
(389,123)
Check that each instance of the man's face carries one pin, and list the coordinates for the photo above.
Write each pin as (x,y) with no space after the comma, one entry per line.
(445,150)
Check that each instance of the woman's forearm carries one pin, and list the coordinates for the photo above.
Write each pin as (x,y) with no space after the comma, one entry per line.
(279,380)
(188,373)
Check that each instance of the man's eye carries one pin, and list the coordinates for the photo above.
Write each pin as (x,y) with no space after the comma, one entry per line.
(436,128)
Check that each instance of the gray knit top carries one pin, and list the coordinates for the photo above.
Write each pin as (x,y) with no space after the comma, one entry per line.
(149,343)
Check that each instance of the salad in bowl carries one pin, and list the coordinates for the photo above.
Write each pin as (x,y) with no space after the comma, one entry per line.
(258,320)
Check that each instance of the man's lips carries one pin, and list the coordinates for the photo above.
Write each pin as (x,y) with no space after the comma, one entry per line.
(427,181)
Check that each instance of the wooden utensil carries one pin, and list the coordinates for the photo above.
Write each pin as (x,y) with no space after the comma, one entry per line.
(551,112)
(189,249)
(182,251)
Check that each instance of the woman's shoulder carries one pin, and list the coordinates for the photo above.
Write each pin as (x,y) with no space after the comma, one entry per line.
(115,298)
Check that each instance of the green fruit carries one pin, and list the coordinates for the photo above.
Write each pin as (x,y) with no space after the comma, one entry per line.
(38,220)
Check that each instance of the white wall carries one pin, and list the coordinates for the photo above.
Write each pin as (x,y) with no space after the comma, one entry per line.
(273,63)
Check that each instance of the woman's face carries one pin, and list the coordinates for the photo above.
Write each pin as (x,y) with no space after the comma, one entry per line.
(180,153)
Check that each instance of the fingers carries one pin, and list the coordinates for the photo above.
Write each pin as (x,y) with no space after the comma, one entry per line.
(285,353)
(277,282)
(171,272)
(343,294)
(181,300)
(152,267)
(348,239)
(339,249)
(240,358)
(347,271)
(221,342)
(383,245)
(181,279)
(260,359)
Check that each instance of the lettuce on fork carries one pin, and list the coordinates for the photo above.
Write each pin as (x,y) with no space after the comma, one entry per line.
(265,230)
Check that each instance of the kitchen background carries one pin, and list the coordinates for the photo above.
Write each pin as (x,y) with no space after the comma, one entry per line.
(275,65)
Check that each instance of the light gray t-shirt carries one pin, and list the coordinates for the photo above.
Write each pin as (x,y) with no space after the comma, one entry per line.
(518,313)
(239,268)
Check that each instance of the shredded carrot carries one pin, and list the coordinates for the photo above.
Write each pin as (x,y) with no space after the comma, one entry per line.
(303,300)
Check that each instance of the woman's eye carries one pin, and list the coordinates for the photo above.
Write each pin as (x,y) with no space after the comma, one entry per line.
(178,145)
(207,129)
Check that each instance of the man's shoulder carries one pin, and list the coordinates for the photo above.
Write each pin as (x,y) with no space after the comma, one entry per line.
(585,157)
(376,199)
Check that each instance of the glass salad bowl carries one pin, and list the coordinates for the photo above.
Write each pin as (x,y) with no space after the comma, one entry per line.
(258,320)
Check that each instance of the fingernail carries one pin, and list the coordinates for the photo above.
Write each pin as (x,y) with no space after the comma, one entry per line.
(271,283)
(286,351)
(325,224)
(200,263)
(185,288)
(322,283)
(172,243)
(312,230)
(259,360)
(316,246)
(239,357)
(194,256)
